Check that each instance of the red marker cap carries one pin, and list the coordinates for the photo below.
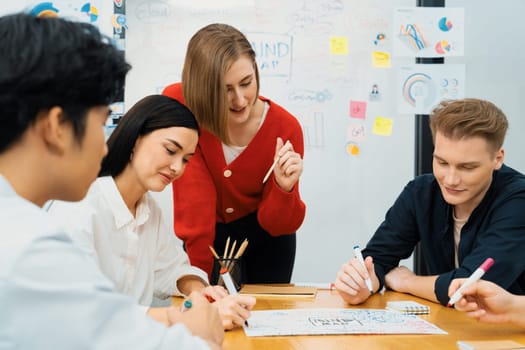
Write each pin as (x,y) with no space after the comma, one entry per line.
(487,264)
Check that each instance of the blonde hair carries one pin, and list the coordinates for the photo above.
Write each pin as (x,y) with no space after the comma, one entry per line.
(470,117)
(211,52)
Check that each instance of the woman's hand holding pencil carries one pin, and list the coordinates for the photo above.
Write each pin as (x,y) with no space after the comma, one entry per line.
(287,166)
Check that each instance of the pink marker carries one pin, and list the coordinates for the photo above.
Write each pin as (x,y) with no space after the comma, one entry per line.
(480,271)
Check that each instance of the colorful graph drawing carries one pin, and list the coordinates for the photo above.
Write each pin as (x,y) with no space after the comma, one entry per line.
(443,47)
(417,88)
(445,24)
(412,36)
(428,32)
(44,9)
(336,321)
(90,11)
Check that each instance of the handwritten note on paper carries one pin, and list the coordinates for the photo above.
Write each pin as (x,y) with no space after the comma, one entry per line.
(336,321)
(383,126)
(339,45)
(358,109)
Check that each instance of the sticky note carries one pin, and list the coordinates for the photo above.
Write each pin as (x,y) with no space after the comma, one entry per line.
(338,45)
(381,59)
(383,126)
(358,109)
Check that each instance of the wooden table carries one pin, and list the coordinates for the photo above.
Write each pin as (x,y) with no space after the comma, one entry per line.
(455,323)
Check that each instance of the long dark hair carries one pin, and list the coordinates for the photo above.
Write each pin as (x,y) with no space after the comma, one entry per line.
(150,113)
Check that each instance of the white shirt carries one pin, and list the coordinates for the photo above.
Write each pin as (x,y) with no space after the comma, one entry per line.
(139,254)
(52,296)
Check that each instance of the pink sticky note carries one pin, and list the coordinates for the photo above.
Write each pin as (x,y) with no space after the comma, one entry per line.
(358,109)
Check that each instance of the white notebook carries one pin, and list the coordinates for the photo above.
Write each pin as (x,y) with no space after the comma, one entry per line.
(408,307)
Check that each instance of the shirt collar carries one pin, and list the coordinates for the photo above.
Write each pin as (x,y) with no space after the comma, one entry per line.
(5,187)
(120,211)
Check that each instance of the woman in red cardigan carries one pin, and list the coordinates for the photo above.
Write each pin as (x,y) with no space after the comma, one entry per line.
(222,193)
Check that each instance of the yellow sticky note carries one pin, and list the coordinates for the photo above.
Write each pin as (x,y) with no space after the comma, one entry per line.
(338,45)
(383,126)
(381,59)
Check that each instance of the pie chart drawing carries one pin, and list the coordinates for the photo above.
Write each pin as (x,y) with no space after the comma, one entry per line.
(445,24)
(45,9)
(443,47)
(90,11)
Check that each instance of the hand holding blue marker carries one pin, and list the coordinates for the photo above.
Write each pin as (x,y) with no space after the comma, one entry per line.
(359,256)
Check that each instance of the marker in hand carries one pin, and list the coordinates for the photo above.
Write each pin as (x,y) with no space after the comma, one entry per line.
(476,275)
(359,256)
(227,278)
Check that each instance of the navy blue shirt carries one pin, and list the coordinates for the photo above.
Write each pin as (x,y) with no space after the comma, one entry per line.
(495,229)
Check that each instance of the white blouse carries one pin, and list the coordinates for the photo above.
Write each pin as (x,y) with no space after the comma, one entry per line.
(139,254)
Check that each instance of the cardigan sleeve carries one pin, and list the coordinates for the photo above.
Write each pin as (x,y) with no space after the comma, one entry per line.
(282,212)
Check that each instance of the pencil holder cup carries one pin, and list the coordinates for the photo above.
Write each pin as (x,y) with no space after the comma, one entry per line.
(234,267)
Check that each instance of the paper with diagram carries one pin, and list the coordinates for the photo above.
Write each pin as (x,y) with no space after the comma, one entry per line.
(336,321)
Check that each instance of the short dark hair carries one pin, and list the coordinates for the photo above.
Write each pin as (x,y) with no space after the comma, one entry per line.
(47,62)
(150,113)
(469,117)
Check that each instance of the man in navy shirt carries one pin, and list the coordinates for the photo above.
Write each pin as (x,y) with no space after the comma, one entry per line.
(470,208)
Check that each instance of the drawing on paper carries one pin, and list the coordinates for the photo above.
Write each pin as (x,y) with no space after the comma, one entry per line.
(336,321)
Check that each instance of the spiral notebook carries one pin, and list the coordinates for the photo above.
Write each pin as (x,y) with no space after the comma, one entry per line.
(408,307)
